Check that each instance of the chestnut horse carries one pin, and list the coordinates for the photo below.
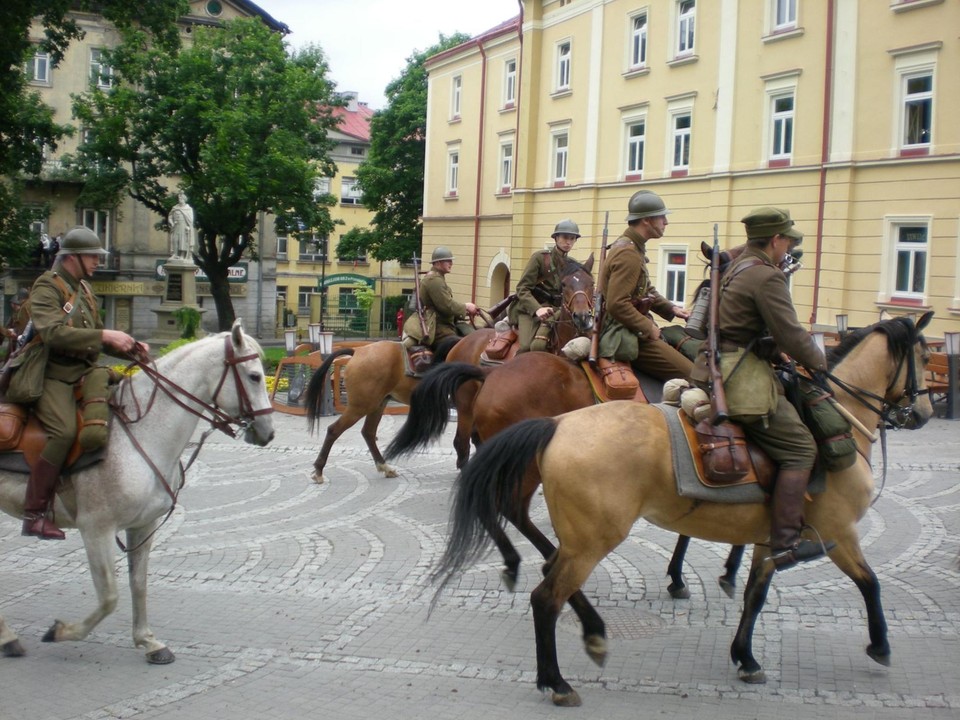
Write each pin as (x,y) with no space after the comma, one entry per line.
(597,484)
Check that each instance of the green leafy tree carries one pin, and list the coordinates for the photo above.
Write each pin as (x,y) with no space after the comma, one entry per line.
(26,123)
(238,123)
(391,178)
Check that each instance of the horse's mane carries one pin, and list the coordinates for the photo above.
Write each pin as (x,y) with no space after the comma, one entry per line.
(901,335)
(571,266)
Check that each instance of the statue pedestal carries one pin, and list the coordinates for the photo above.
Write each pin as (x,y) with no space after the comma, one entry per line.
(180,291)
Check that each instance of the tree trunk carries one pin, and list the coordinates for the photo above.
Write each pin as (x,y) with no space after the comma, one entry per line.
(220,289)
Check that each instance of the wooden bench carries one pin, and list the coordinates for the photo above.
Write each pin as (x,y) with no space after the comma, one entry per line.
(938,376)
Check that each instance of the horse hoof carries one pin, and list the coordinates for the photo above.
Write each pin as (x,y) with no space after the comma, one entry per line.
(567,699)
(678,592)
(317,477)
(754,677)
(509,578)
(13,649)
(53,634)
(880,657)
(389,473)
(596,647)
(163,656)
(727,586)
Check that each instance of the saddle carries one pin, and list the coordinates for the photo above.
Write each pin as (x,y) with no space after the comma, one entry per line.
(22,439)
(503,346)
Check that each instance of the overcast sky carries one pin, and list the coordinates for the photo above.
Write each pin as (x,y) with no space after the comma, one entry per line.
(367,42)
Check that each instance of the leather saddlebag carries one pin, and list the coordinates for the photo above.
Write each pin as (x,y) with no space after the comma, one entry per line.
(723,447)
(499,344)
(13,418)
(618,379)
(421,358)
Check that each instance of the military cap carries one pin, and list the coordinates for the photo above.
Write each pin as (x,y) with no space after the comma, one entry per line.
(794,235)
(766,222)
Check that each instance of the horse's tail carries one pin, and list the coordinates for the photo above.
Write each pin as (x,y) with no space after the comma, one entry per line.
(487,491)
(430,406)
(315,388)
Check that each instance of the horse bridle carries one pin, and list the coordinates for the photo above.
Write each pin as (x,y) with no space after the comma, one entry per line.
(218,419)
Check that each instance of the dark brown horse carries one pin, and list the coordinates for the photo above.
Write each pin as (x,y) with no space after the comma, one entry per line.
(596,485)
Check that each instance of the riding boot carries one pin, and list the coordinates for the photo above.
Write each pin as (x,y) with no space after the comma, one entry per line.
(41,490)
(786,546)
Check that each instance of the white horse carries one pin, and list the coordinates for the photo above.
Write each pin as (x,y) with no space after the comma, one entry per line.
(219,379)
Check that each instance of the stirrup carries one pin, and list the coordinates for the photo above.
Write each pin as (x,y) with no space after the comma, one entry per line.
(802,551)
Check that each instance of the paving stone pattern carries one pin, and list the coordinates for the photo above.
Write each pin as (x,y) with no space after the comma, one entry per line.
(285,599)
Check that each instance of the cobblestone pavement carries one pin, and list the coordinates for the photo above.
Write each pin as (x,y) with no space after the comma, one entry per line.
(284,599)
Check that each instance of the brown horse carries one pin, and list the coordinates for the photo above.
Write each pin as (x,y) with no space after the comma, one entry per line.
(605,466)
(375,375)
(533,385)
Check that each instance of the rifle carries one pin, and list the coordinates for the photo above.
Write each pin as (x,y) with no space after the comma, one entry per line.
(416,284)
(598,309)
(497,310)
(720,411)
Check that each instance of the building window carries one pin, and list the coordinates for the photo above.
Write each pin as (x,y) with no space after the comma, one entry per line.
(917,111)
(453,172)
(355,259)
(563,66)
(101,74)
(911,267)
(784,15)
(350,192)
(321,187)
(99,222)
(636,132)
(506,167)
(314,249)
(510,83)
(347,300)
(686,22)
(781,130)
(303,301)
(681,143)
(675,275)
(357,151)
(281,248)
(638,41)
(37,68)
(456,93)
(561,142)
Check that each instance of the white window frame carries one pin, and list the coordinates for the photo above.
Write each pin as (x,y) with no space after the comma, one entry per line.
(778,86)
(783,15)
(37,68)
(669,274)
(313,249)
(453,171)
(99,222)
(101,74)
(637,59)
(506,166)
(782,126)
(891,257)
(559,156)
(634,147)
(456,96)
(564,66)
(321,187)
(686,14)
(911,64)
(509,83)
(681,138)
(349,192)
(908,102)
(282,243)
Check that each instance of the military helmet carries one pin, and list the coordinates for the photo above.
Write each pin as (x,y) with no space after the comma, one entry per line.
(643,204)
(566,227)
(81,241)
(441,253)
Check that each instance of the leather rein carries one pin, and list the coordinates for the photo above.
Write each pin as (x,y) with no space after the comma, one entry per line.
(211,412)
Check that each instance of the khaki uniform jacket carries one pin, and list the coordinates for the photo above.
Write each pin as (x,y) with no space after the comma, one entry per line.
(73,350)
(544,269)
(625,277)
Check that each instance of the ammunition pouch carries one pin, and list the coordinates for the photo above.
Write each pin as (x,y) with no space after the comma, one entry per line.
(500,343)
(726,458)
(642,304)
(421,358)
(618,379)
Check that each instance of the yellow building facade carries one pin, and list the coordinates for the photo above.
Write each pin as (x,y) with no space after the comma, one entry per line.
(839,110)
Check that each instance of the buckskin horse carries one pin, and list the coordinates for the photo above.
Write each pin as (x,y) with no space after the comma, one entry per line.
(596,485)
(219,379)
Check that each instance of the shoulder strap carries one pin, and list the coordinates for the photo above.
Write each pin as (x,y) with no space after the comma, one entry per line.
(739,268)
(546,261)
(70,306)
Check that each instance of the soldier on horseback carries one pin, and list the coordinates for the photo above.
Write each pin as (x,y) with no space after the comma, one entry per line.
(66,314)
(628,332)
(755,302)
(539,288)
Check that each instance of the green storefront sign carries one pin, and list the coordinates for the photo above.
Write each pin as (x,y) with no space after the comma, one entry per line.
(345,279)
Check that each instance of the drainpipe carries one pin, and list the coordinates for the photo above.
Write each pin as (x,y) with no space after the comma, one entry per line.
(476,214)
(824,155)
(516,134)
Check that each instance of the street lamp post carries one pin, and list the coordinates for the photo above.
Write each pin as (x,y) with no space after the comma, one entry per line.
(290,340)
(843,323)
(951,346)
(819,340)
(313,332)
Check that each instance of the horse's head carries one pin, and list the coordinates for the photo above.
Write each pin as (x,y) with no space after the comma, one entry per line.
(245,398)
(913,406)
(576,288)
